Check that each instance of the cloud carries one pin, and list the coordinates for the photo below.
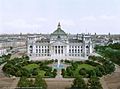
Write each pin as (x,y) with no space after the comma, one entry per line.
(67,22)
(97,18)
(88,18)
(106,17)
(22,23)
(41,19)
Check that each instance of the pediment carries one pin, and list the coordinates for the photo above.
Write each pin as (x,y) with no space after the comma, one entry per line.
(58,42)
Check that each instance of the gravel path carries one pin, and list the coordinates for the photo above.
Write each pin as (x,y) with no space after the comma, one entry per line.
(112,81)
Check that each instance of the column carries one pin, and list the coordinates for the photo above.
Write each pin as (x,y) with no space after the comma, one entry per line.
(60,50)
(57,49)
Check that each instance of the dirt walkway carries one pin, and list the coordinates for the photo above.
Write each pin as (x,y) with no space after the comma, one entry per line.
(62,83)
(112,81)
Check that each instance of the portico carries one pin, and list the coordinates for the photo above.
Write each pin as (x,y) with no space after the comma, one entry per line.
(58,50)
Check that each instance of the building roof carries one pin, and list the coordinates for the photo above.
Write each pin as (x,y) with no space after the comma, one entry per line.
(43,41)
(75,41)
(59,31)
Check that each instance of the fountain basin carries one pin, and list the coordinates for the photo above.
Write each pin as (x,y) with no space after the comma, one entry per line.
(56,66)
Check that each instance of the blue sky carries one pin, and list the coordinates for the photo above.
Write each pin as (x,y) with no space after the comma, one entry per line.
(75,16)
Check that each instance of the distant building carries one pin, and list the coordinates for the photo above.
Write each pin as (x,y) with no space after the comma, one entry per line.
(3,51)
(59,45)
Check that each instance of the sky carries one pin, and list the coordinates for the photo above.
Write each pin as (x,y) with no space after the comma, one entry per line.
(75,16)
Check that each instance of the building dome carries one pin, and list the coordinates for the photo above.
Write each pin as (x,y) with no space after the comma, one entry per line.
(59,31)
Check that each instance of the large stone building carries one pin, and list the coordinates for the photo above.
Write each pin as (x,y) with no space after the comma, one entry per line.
(59,45)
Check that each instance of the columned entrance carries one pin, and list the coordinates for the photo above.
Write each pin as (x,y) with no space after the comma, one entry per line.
(58,52)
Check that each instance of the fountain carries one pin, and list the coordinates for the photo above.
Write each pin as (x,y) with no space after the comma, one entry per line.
(58,65)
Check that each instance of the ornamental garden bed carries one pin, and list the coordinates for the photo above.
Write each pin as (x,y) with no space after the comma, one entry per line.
(20,67)
(94,67)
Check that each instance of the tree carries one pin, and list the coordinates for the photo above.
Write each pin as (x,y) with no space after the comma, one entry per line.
(98,72)
(79,83)
(54,72)
(94,83)
(25,72)
(83,72)
(24,82)
(63,72)
(40,83)
(92,73)
(35,72)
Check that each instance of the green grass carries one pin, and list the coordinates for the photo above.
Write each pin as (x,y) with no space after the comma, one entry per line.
(31,67)
(86,66)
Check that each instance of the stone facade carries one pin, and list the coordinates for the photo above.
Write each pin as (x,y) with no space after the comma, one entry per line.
(59,45)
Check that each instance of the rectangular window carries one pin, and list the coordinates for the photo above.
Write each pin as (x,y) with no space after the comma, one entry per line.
(56,51)
(69,50)
(36,50)
(30,51)
(39,51)
(72,50)
(75,50)
(62,51)
(59,51)
(42,51)
(48,50)
(81,50)
(45,51)
(78,51)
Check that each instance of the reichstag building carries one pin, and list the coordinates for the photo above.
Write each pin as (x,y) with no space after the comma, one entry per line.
(59,46)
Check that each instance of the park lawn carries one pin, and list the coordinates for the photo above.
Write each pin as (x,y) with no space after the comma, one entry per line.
(41,73)
(30,67)
(86,66)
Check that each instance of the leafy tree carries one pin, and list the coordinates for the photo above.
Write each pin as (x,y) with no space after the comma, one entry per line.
(39,82)
(98,72)
(79,83)
(94,83)
(83,72)
(24,82)
(35,72)
(54,72)
(92,73)
(63,72)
